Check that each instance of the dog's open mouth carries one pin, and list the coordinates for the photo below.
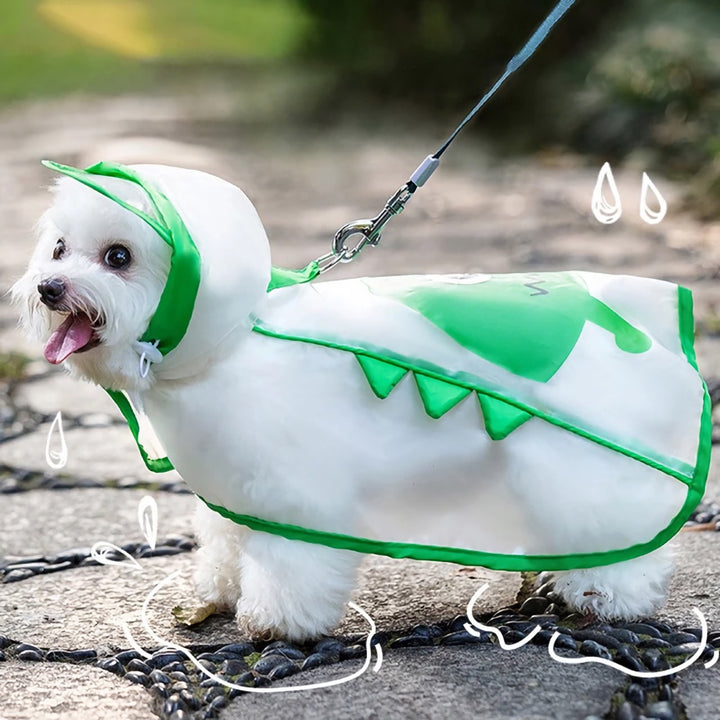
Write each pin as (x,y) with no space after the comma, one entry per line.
(76,334)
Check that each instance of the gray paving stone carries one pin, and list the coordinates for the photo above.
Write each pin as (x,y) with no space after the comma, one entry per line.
(60,392)
(105,453)
(439,683)
(33,691)
(44,522)
(700,690)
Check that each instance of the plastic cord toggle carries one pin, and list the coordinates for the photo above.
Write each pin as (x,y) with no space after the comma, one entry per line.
(149,354)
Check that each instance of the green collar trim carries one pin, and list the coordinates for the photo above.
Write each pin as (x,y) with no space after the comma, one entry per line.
(170,321)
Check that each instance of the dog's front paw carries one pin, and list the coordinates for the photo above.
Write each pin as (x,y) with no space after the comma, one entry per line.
(273,620)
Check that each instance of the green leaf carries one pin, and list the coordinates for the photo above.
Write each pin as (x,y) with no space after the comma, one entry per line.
(501,418)
(439,396)
(382,376)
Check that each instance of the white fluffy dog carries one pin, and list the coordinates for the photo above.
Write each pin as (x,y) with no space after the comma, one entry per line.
(265,411)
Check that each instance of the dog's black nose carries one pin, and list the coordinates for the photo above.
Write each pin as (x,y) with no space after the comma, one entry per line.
(51,291)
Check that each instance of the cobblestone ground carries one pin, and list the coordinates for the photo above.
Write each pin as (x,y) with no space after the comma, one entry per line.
(64,652)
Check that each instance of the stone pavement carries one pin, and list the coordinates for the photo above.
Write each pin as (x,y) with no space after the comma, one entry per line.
(479,213)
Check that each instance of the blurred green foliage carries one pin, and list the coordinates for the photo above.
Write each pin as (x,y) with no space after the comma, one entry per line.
(613,79)
(61,46)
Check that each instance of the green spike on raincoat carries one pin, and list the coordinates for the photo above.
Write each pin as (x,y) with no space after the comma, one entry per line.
(382,376)
(501,418)
(439,396)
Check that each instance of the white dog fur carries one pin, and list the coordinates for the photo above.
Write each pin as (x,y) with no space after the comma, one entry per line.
(291,431)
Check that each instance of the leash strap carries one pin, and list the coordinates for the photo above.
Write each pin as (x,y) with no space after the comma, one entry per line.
(370,230)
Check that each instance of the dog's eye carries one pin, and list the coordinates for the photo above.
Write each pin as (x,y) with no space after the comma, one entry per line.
(117,257)
(59,250)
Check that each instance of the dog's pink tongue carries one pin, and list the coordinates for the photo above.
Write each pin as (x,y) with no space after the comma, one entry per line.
(75,333)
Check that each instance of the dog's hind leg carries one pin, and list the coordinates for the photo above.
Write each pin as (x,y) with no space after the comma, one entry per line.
(626,590)
(217,568)
(293,589)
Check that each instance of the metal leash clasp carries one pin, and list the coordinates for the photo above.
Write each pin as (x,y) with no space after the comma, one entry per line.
(369,230)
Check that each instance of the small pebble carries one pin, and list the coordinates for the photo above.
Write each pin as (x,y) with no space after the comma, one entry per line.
(189,699)
(213,693)
(642,629)
(265,664)
(658,625)
(409,641)
(218,704)
(138,677)
(680,638)
(313,661)
(158,676)
(696,632)
(352,651)
(329,645)
(594,649)
(461,637)
(607,641)
(282,671)
(661,711)
(686,649)
(240,650)
(288,652)
(636,694)
(628,657)
(112,665)
(163,659)
(565,642)
(626,636)
(126,656)
(233,667)
(545,621)
(28,652)
(160,690)
(177,675)
(628,711)
(17,575)
(212,657)
(534,605)
(71,655)
(174,667)
(57,567)
(654,660)
(173,704)
(139,666)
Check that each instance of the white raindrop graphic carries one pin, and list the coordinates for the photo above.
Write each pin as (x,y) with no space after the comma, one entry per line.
(56,453)
(653,217)
(148,519)
(606,211)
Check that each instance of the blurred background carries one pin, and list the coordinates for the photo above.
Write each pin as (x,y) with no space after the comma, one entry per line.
(618,79)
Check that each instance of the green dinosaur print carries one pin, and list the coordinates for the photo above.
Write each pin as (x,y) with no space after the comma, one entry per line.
(525,323)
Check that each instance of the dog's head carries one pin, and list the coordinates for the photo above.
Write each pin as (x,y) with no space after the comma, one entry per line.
(98,272)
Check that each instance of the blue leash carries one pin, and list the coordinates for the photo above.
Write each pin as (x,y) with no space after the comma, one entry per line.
(371,229)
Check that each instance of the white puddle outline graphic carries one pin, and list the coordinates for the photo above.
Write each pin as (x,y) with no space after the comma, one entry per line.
(56,459)
(653,217)
(606,212)
(472,624)
(147,518)
(148,521)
